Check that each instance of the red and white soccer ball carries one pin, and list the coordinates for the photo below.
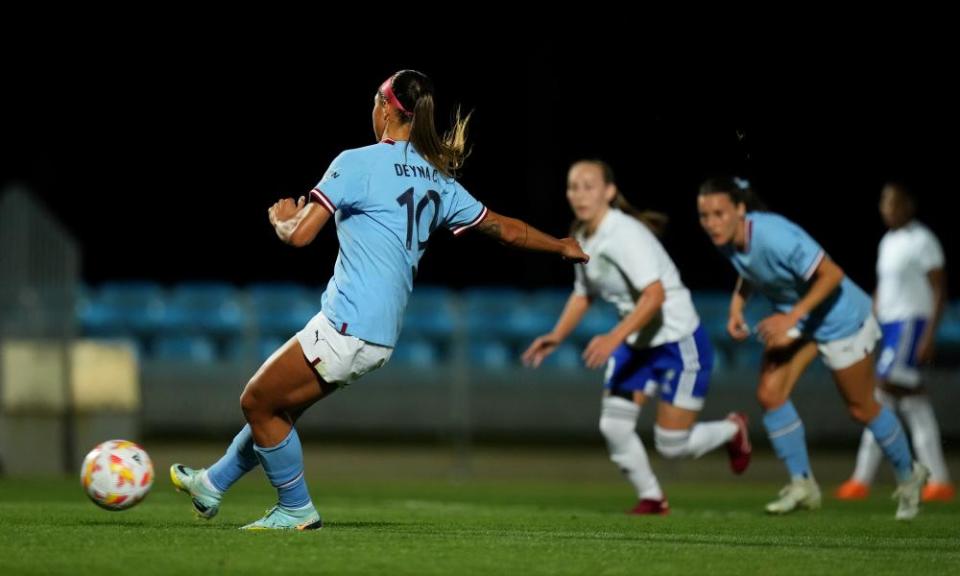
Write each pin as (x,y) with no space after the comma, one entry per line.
(117,474)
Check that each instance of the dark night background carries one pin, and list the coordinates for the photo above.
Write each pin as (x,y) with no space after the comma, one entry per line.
(174,149)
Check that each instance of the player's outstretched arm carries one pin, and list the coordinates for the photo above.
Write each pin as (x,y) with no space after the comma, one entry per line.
(519,234)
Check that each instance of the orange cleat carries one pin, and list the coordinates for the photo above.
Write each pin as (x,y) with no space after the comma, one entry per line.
(852,490)
(934,492)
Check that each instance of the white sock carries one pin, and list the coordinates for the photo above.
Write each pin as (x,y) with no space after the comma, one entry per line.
(695,442)
(868,458)
(706,436)
(618,423)
(208,484)
(925,432)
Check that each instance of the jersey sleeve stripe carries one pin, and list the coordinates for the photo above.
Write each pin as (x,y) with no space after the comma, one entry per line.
(322,198)
(461,229)
(813,267)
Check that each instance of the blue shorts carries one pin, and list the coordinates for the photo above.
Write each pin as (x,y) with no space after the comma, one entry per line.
(897,363)
(679,370)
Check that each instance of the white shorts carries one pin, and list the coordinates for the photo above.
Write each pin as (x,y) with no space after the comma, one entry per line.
(339,358)
(845,352)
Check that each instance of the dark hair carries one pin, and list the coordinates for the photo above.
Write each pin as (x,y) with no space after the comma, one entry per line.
(655,221)
(414,90)
(738,189)
(902,188)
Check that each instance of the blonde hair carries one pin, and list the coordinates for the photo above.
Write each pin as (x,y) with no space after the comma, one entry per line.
(447,154)
(655,221)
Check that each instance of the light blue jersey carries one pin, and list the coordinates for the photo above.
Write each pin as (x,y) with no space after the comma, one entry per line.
(387,201)
(779,261)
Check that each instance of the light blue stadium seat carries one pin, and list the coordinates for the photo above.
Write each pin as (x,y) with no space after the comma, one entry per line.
(748,354)
(282,309)
(720,361)
(430,313)
(566,356)
(206,308)
(599,319)
(491,354)
(948,333)
(184,348)
(535,315)
(121,308)
(757,309)
(550,300)
(415,353)
(712,307)
(524,324)
(489,309)
(257,350)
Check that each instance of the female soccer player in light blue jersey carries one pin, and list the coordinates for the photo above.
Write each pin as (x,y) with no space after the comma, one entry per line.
(386,199)
(816,308)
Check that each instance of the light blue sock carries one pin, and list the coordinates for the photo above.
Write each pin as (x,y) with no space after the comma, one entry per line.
(785,430)
(283,464)
(237,461)
(889,435)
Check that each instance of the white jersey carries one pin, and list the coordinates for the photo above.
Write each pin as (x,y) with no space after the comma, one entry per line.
(625,258)
(905,257)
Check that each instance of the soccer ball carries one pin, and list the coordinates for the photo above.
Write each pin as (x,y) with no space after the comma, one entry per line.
(117,474)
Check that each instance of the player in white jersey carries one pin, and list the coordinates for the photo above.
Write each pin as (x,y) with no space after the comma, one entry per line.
(657,349)
(387,199)
(909,302)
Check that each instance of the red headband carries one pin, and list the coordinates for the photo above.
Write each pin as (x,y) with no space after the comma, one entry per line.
(387,90)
